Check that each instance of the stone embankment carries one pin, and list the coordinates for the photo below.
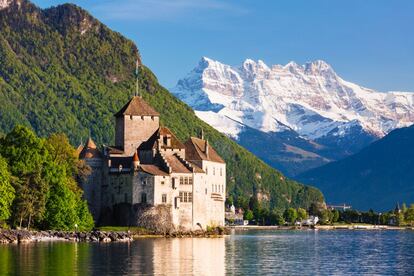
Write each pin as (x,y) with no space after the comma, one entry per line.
(24,236)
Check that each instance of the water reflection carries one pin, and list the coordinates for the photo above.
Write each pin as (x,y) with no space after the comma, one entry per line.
(143,257)
(243,253)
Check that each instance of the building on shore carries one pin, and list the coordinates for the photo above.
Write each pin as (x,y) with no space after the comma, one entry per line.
(235,216)
(149,167)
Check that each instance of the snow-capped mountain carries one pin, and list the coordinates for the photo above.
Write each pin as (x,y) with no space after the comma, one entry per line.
(311,100)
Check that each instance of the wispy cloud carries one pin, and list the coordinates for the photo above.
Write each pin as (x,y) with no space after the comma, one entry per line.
(163,10)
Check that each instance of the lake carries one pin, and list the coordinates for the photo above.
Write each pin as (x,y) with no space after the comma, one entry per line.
(340,252)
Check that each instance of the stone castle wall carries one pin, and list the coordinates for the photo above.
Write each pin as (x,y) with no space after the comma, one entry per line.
(131,131)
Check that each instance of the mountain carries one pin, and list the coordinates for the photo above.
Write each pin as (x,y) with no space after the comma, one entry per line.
(61,70)
(310,102)
(377,177)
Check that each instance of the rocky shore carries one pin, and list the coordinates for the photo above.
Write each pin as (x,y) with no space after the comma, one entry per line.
(24,236)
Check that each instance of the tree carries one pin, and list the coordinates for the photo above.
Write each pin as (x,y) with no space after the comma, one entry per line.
(326,216)
(409,215)
(248,215)
(335,216)
(302,214)
(290,215)
(27,156)
(45,173)
(7,192)
(65,207)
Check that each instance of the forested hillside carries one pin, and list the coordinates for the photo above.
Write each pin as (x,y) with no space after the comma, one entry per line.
(378,177)
(61,70)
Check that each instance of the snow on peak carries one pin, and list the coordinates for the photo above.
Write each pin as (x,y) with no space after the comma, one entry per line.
(310,99)
(318,67)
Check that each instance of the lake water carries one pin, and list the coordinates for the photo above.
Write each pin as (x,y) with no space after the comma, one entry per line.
(242,253)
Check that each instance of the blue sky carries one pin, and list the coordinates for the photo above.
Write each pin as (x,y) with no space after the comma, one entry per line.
(370,42)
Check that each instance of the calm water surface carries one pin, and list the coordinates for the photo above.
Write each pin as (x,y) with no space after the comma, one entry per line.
(243,253)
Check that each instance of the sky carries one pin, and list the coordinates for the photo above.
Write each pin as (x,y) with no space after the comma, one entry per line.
(369,42)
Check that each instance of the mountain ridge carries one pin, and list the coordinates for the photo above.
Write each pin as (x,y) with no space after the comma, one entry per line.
(310,99)
(377,177)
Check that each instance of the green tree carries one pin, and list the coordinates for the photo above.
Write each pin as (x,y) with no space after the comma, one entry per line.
(409,215)
(291,215)
(335,216)
(47,194)
(326,216)
(7,193)
(28,157)
(302,214)
(248,215)
(65,207)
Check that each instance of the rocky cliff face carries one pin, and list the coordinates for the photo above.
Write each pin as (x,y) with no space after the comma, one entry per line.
(310,100)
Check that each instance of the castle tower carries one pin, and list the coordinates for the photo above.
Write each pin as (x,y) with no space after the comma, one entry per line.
(135,123)
(92,185)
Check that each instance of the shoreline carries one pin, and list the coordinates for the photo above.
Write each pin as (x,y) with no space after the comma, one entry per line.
(99,236)
(321,227)
(102,236)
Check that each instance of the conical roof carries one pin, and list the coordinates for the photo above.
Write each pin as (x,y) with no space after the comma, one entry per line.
(137,107)
(90,150)
(135,158)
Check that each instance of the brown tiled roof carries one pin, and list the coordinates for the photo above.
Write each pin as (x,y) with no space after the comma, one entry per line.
(195,150)
(152,142)
(153,169)
(176,165)
(137,107)
(197,169)
(89,150)
(114,150)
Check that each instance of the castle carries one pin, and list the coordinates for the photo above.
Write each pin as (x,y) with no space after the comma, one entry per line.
(150,167)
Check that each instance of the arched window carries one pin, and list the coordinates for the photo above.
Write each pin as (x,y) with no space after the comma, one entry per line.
(143,198)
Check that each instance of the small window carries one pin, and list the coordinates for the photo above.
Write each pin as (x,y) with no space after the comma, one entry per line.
(181,196)
(130,117)
(177,202)
(152,118)
(206,190)
(185,197)
(206,170)
(143,198)
(190,197)
(214,170)
(185,180)
(162,182)
(142,117)
(164,198)
(165,140)
(181,180)
(190,180)
(221,171)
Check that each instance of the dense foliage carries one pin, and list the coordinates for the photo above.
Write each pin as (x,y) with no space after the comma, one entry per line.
(377,177)
(6,191)
(42,174)
(63,71)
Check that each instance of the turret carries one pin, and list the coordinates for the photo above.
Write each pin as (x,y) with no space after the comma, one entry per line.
(135,161)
